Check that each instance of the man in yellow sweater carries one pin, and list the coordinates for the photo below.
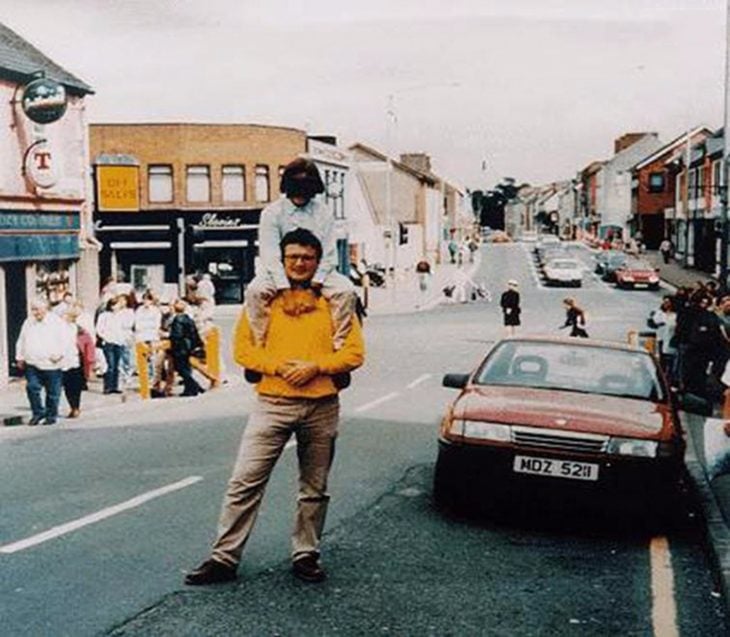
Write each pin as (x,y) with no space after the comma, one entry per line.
(296,395)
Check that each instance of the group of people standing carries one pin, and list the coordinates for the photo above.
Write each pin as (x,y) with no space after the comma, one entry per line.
(693,338)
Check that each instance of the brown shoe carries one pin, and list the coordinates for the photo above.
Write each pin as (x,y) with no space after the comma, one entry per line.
(211,572)
(308,569)
(74,413)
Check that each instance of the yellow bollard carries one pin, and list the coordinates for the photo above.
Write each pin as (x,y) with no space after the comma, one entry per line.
(211,368)
(142,353)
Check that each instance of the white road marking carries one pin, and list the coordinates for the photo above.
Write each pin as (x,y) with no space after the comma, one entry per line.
(422,378)
(290,444)
(664,610)
(63,529)
(376,402)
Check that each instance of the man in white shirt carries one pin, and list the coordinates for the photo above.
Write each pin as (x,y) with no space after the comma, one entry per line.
(40,351)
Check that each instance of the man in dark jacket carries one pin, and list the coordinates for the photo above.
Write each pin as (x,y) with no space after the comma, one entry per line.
(510,304)
(184,339)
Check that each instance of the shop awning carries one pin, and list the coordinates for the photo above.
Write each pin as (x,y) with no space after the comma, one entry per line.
(140,245)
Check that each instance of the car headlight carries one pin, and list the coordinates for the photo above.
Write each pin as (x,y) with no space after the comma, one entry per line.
(487,430)
(653,279)
(633,447)
(627,277)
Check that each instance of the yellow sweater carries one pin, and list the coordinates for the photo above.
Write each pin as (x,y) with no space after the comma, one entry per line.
(307,337)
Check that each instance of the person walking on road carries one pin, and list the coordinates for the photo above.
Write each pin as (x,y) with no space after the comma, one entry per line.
(297,395)
(423,272)
(575,319)
(39,353)
(510,304)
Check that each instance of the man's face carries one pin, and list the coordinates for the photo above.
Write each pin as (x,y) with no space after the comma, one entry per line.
(39,312)
(300,263)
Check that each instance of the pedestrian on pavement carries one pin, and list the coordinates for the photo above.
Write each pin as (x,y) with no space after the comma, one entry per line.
(575,318)
(128,305)
(79,360)
(297,395)
(300,206)
(111,333)
(510,304)
(147,323)
(703,340)
(67,300)
(185,342)
(39,353)
(666,248)
(164,368)
(423,272)
(665,321)
(453,248)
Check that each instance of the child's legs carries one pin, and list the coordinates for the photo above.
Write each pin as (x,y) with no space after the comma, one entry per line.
(259,294)
(340,293)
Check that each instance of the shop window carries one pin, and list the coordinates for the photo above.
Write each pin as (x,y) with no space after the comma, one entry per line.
(233,183)
(262,183)
(159,183)
(656,182)
(198,184)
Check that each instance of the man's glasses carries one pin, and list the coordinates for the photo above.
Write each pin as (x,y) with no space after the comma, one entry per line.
(304,258)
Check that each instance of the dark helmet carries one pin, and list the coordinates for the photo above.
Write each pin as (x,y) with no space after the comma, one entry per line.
(301,178)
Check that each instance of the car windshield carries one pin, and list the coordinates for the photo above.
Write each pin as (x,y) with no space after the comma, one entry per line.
(569,367)
(638,265)
(617,259)
(564,265)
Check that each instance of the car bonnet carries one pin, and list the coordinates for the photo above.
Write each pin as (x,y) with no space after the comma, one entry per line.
(566,410)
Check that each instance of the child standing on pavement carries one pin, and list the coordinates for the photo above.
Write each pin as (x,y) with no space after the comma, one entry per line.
(300,207)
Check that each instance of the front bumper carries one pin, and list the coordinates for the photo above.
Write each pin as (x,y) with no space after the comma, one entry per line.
(488,470)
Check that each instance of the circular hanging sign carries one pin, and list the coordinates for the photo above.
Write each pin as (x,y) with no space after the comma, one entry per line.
(40,165)
(44,101)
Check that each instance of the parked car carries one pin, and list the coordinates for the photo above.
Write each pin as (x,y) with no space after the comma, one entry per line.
(564,272)
(602,258)
(551,252)
(614,262)
(560,419)
(637,274)
(546,240)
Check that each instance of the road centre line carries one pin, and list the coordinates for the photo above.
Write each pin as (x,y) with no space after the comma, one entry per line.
(664,610)
(75,525)
(376,402)
(422,378)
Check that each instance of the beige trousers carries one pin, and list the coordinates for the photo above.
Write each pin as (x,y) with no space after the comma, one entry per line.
(271,424)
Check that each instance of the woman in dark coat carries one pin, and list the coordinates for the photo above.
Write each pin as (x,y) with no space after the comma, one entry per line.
(510,303)
(184,339)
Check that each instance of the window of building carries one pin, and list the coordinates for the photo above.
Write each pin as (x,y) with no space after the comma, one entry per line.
(159,183)
(198,183)
(692,187)
(262,183)
(233,183)
(700,181)
(656,182)
(339,179)
(717,175)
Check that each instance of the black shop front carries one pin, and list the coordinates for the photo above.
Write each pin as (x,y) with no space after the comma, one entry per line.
(157,250)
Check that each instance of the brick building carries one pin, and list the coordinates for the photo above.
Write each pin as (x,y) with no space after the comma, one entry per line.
(174,199)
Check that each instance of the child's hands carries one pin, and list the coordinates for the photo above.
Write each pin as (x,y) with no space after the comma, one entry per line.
(296,302)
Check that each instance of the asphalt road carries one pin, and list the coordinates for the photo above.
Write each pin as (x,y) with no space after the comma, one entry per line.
(397,566)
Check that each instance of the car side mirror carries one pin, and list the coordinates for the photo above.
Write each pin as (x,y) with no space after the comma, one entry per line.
(455,381)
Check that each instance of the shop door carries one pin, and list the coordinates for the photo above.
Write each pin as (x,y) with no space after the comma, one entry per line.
(229,270)
(17,304)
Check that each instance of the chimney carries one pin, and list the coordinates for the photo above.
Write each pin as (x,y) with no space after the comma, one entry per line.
(628,139)
(417,161)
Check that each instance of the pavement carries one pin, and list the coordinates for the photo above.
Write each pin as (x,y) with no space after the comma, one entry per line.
(405,296)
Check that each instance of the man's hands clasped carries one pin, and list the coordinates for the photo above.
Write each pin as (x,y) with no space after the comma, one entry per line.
(297,372)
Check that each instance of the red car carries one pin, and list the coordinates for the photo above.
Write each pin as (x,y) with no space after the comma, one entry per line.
(544,417)
(637,274)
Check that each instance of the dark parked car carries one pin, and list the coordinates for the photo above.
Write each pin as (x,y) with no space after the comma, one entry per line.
(545,417)
(614,262)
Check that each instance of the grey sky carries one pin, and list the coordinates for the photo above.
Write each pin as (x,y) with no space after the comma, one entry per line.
(537,88)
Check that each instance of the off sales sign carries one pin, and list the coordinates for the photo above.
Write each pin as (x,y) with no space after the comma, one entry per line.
(117,188)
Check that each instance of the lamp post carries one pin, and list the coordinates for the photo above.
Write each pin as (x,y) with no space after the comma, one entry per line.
(391,120)
(724,166)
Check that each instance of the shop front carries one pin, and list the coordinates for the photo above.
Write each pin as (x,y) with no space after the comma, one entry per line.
(38,255)
(158,250)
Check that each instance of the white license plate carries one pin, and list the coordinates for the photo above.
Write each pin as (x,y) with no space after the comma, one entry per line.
(556,468)
(641,285)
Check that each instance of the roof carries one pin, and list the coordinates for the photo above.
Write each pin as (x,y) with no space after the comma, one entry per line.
(573,342)
(20,60)
(668,148)
(397,164)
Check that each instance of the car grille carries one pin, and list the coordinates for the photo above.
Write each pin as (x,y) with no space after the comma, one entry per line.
(556,440)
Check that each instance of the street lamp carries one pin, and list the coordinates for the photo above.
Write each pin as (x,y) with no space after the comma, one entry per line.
(391,121)
(724,181)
